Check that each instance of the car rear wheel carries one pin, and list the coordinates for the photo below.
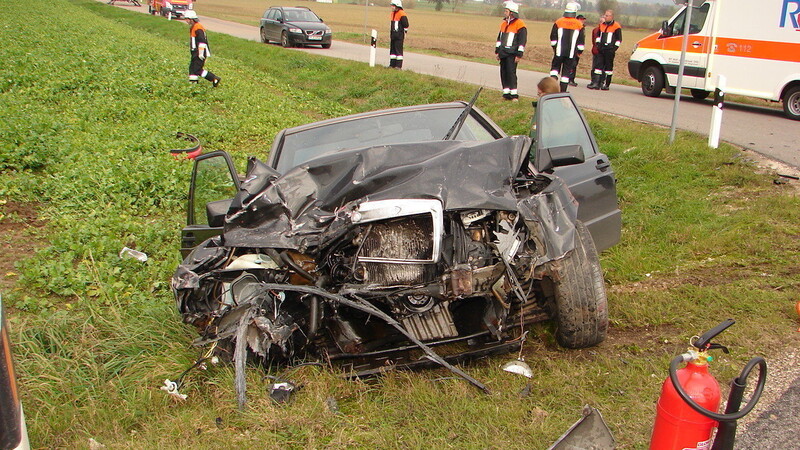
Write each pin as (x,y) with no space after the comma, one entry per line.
(699,94)
(263,34)
(580,295)
(285,39)
(652,81)
(791,103)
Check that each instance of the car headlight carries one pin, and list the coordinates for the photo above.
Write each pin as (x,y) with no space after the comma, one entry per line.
(295,30)
(328,31)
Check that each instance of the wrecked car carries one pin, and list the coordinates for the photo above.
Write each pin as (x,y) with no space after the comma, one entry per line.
(370,240)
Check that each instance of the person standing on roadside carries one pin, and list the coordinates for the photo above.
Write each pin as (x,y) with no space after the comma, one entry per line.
(510,47)
(198,46)
(567,40)
(578,58)
(608,41)
(593,84)
(397,34)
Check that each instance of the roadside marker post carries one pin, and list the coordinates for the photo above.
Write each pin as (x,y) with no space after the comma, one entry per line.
(716,114)
(372,49)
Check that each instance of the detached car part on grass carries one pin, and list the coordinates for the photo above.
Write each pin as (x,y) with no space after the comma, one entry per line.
(370,257)
(13,432)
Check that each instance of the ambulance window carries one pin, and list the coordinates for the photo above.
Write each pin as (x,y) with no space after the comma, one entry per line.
(699,15)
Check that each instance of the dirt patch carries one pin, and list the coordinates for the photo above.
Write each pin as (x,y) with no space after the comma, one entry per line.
(785,175)
(17,241)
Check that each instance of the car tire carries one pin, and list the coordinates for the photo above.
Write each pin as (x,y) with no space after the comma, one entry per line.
(791,103)
(700,94)
(263,34)
(580,295)
(326,45)
(285,39)
(652,81)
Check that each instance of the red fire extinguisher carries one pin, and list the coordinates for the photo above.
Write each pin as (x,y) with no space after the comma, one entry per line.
(690,397)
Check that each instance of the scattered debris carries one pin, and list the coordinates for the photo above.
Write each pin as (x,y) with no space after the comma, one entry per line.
(94,445)
(281,392)
(518,367)
(590,432)
(133,254)
(171,388)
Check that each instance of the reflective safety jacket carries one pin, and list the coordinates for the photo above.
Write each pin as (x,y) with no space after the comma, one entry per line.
(198,43)
(610,37)
(399,25)
(512,38)
(567,38)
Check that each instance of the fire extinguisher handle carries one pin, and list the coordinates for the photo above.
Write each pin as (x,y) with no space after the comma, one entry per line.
(704,342)
(713,346)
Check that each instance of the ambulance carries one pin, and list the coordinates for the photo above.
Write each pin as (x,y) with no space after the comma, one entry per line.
(755,45)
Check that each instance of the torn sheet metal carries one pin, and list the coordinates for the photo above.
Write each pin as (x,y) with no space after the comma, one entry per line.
(296,210)
(590,432)
(367,254)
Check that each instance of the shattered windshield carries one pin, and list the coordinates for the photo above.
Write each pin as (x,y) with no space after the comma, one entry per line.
(385,129)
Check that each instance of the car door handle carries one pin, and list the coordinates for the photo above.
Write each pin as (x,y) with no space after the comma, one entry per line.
(602,165)
(696,44)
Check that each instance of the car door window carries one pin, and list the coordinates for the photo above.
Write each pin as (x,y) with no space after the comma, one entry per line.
(699,15)
(213,179)
(559,123)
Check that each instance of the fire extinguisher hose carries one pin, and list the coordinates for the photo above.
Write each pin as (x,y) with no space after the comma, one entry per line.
(741,380)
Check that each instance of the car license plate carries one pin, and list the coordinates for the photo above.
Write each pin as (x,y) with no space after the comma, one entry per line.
(315,38)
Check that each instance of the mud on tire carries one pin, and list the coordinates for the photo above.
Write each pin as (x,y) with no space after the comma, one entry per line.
(580,296)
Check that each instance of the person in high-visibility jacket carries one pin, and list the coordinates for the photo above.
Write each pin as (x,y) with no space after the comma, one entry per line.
(397,34)
(198,46)
(608,41)
(510,48)
(567,40)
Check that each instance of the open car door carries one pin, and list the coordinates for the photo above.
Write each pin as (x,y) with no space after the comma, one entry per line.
(560,126)
(213,186)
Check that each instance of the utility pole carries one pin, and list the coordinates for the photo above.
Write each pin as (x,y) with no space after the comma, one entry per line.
(678,87)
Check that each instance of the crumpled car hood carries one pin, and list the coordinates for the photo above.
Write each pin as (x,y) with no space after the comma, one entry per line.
(296,209)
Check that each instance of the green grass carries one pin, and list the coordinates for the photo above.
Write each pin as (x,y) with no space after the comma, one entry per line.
(86,116)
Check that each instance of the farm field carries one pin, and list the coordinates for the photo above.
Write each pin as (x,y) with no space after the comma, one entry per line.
(85,124)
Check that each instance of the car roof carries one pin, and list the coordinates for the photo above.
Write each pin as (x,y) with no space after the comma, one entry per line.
(292,8)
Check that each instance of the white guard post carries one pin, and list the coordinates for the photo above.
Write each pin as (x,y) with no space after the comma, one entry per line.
(716,115)
(373,45)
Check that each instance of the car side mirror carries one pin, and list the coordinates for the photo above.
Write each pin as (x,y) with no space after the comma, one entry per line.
(563,155)
(665,30)
(216,211)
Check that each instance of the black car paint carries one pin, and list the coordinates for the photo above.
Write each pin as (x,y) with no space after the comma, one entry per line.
(592,183)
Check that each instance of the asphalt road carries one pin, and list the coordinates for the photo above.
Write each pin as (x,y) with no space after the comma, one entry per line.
(775,421)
